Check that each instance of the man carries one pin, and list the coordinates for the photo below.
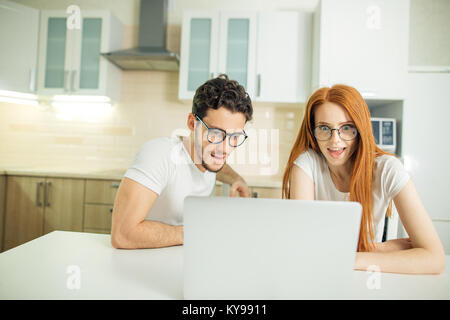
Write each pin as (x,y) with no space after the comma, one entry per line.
(148,210)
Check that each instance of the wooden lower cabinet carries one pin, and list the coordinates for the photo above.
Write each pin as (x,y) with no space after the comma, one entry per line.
(98,217)
(63,205)
(102,231)
(217,192)
(101,191)
(36,206)
(24,219)
(98,206)
(255,192)
(269,193)
(2,208)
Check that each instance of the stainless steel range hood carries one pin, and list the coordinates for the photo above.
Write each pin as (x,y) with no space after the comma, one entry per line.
(151,53)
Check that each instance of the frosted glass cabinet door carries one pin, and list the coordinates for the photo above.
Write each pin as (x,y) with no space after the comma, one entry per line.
(238,48)
(90,53)
(56,53)
(217,42)
(199,52)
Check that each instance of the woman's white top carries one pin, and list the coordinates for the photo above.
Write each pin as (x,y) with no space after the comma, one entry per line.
(390,177)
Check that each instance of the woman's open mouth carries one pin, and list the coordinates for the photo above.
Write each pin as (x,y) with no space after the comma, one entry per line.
(336,153)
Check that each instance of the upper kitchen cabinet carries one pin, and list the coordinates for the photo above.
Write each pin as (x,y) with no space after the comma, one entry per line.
(283,67)
(263,51)
(214,43)
(69,55)
(362,43)
(19,27)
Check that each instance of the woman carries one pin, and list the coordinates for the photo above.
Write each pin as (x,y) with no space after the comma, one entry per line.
(335,158)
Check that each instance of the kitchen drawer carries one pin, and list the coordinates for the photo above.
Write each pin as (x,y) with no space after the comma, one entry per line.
(2,207)
(271,193)
(102,231)
(101,191)
(97,216)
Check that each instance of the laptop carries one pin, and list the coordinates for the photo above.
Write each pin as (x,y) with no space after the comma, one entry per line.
(249,248)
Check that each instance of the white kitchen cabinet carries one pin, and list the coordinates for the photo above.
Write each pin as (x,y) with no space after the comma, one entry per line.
(266,52)
(19,27)
(283,70)
(217,42)
(362,43)
(69,57)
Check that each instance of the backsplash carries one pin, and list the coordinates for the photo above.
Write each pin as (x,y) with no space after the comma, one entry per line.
(148,108)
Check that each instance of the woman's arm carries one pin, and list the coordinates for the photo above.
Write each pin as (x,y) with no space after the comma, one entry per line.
(393,245)
(426,255)
(301,185)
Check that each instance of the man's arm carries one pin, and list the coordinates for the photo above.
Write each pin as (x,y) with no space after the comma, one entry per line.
(129,228)
(237,183)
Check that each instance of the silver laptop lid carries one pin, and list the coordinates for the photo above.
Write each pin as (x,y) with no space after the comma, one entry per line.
(245,248)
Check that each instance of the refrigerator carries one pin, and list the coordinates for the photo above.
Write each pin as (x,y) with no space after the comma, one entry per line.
(426,146)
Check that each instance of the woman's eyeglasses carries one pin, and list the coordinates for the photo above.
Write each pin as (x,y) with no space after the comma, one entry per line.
(217,135)
(346,132)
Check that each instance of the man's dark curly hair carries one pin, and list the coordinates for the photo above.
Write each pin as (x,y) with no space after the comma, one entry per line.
(222,92)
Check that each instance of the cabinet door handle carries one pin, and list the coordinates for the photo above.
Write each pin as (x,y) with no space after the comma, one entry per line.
(258,85)
(46,193)
(33,79)
(66,75)
(111,210)
(72,81)
(38,194)
(115,185)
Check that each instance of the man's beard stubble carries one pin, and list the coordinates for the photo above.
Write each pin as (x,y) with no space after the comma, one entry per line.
(206,166)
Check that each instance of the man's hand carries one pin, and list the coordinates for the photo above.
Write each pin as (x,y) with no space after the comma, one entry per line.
(237,183)
(241,187)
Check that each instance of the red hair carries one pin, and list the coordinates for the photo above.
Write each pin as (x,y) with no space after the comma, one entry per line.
(361,182)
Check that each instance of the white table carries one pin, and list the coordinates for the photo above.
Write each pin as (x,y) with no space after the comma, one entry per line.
(40,269)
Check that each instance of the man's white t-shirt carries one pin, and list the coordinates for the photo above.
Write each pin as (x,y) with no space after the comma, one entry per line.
(164,166)
(390,177)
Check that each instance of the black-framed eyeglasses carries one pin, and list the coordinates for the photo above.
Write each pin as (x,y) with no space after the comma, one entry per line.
(217,135)
(346,132)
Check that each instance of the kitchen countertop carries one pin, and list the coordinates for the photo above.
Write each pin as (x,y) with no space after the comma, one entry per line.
(48,268)
(64,172)
(78,172)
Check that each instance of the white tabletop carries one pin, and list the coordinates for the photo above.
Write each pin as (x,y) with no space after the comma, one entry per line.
(49,268)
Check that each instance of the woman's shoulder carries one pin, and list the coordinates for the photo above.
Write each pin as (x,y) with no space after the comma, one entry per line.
(391,174)
(387,162)
(309,155)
